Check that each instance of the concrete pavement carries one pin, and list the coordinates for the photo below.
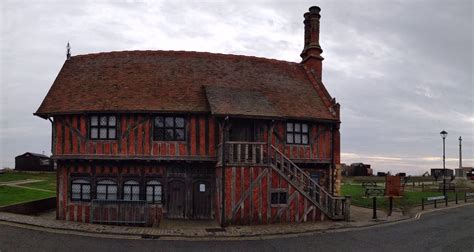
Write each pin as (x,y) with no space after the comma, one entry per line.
(443,230)
(176,229)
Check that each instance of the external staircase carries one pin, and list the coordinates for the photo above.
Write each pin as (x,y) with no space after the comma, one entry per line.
(259,153)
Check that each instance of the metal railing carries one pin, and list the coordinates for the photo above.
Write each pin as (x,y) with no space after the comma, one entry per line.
(119,212)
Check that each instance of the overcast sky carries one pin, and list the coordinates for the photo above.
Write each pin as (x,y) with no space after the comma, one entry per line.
(401,70)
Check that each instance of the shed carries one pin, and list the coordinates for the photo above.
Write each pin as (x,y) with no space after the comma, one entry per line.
(30,161)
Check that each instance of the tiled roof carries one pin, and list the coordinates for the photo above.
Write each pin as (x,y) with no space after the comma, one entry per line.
(175,81)
(237,102)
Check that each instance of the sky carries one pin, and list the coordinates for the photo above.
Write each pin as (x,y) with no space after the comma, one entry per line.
(402,70)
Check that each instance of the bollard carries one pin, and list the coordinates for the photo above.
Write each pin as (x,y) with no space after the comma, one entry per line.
(446,200)
(465,197)
(435,204)
(390,206)
(374,206)
(422,204)
(456,198)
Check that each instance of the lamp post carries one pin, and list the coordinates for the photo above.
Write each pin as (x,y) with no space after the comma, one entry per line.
(443,135)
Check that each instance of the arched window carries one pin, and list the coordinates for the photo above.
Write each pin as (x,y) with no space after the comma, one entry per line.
(131,190)
(107,190)
(153,191)
(80,190)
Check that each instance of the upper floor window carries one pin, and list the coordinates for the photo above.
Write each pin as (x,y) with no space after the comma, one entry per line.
(80,190)
(169,128)
(103,127)
(297,133)
(106,190)
(131,190)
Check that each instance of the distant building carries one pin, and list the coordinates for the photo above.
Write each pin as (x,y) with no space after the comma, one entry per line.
(438,172)
(30,161)
(356,169)
(463,172)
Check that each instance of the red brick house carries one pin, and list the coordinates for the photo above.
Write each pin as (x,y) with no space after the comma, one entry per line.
(144,135)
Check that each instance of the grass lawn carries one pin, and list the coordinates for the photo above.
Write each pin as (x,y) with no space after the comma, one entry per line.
(13,176)
(10,195)
(45,185)
(410,197)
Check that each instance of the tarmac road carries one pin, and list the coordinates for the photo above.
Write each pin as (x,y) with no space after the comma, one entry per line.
(445,230)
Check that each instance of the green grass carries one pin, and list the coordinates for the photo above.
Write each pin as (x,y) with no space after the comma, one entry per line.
(12,195)
(14,176)
(45,185)
(411,197)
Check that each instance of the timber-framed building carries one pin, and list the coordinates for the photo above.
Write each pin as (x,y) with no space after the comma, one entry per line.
(138,136)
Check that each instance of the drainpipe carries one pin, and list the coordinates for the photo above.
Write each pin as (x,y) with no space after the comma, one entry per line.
(331,170)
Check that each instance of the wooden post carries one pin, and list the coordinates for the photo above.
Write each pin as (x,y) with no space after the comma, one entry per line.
(374,208)
(390,206)
(347,208)
(456,198)
(422,204)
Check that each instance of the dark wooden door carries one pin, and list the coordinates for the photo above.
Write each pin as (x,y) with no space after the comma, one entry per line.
(202,200)
(176,199)
(242,130)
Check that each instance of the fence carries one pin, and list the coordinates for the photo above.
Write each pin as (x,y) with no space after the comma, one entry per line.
(435,200)
(120,212)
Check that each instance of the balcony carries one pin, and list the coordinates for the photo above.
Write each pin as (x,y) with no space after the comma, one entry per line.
(244,153)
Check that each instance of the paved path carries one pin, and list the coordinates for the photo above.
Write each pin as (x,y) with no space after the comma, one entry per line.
(442,230)
(19,182)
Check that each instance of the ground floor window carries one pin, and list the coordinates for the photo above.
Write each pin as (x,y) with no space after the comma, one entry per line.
(131,190)
(80,189)
(153,191)
(279,198)
(107,190)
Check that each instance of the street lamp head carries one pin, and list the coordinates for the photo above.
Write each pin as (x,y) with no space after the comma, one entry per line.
(443,134)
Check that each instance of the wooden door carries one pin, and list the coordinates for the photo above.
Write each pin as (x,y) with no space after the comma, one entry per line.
(242,130)
(176,199)
(202,200)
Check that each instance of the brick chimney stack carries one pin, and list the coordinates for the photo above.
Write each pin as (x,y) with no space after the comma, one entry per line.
(311,55)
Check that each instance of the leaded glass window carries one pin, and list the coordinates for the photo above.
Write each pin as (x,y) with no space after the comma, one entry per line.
(169,128)
(131,190)
(80,190)
(103,127)
(297,133)
(106,190)
(154,191)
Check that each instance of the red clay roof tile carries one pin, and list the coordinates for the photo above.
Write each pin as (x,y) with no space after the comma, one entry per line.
(174,81)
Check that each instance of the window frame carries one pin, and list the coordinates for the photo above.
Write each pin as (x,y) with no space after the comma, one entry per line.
(280,192)
(135,185)
(106,188)
(160,184)
(164,128)
(81,193)
(293,132)
(99,127)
